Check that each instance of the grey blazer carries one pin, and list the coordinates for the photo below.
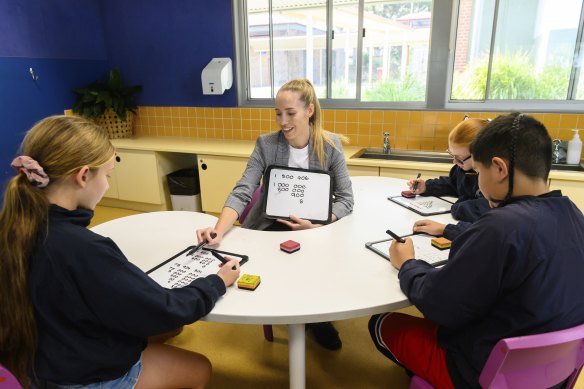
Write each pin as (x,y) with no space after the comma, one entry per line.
(272,149)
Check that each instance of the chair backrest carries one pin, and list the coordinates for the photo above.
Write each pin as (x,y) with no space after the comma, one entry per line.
(535,361)
(7,379)
(254,199)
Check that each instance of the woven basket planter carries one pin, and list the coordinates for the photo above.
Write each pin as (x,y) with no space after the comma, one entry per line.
(116,127)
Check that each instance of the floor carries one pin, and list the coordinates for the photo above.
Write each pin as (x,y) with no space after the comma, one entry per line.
(243,359)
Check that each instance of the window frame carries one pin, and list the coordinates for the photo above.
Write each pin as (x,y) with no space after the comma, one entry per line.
(439,76)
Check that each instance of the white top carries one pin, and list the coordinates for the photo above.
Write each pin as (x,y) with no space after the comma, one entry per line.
(298,157)
(332,277)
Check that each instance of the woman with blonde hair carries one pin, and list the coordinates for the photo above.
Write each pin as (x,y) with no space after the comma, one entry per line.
(300,142)
(461,182)
(75,311)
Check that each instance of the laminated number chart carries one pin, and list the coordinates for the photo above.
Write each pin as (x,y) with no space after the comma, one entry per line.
(422,246)
(184,268)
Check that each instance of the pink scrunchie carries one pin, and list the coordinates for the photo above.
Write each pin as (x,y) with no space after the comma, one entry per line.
(33,171)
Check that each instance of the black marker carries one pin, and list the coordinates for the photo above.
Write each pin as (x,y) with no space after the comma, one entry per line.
(202,244)
(221,258)
(395,236)
(415,186)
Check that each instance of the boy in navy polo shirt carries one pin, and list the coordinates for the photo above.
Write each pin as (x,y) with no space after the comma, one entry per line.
(517,271)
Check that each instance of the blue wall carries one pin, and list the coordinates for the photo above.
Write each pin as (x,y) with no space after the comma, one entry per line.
(63,42)
(161,45)
(164,46)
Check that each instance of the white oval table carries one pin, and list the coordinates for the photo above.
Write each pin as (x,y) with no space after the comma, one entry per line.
(332,277)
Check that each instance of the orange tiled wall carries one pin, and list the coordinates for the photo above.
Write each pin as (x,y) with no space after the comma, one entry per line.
(414,130)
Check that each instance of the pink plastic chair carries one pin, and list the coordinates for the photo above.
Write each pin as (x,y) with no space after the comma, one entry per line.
(7,379)
(268,331)
(533,361)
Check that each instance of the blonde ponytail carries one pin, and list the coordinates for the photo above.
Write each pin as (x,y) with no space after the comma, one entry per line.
(308,95)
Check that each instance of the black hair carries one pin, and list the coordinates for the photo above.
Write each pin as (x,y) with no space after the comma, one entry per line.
(518,138)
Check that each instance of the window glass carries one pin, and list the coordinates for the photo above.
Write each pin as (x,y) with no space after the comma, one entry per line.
(344,49)
(258,39)
(532,55)
(579,76)
(395,50)
(300,42)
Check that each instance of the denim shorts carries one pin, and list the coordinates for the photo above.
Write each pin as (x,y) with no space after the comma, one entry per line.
(127,381)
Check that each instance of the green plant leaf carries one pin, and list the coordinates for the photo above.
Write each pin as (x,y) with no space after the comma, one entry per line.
(95,98)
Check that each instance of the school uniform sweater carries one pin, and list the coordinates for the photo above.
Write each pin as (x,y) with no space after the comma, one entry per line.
(518,270)
(470,204)
(95,309)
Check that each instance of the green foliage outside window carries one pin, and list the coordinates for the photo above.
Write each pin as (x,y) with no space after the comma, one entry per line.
(513,77)
(408,89)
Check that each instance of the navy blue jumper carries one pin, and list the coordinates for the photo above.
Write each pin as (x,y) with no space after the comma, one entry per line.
(518,270)
(470,204)
(95,309)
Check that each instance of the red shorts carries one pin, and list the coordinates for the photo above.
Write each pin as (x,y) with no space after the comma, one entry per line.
(412,343)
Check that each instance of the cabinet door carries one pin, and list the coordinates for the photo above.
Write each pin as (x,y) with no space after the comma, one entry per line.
(573,189)
(409,174)
(137,176)
(218,175)
(112,192)
(363,170)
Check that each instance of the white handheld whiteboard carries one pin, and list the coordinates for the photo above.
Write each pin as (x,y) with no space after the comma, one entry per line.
(186,266)
(423,205)
(422,247)
(304,193)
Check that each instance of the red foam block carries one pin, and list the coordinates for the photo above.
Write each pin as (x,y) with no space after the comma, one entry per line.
(290,246)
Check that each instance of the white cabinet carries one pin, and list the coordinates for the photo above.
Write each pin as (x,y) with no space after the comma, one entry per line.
(573,189)
(218,175)
(140,177)
(355,170)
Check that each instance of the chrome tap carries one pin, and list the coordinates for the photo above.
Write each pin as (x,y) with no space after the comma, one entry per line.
(386,146)
(556,151)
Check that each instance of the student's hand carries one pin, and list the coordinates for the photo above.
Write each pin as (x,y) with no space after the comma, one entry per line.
(212,235)
(298,224)
(401,252)
(429,227)
(229,272)
(421,188)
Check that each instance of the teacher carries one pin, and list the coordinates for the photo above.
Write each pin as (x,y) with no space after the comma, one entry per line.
(301,142)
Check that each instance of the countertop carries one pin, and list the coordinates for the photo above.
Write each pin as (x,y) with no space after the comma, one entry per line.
(244,148)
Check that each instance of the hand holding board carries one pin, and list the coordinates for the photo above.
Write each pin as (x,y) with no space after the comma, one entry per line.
(306,194)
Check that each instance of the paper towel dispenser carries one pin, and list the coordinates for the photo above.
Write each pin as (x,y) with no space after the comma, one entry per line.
(217,76)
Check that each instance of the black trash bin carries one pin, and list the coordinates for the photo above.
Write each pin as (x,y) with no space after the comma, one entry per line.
(184,188)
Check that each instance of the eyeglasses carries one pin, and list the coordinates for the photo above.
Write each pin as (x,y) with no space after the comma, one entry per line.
(456,159)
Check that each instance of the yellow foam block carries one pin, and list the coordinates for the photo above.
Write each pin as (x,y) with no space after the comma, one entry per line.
(248,281)
(441,243)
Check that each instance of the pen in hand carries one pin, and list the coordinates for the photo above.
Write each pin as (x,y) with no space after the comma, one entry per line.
(415,186)
(202,244)
(221,258)
(395,236)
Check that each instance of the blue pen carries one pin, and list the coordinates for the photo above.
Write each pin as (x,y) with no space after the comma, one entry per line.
(395,236)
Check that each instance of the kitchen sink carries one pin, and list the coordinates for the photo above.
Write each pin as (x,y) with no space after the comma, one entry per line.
(405,155)
(434,156)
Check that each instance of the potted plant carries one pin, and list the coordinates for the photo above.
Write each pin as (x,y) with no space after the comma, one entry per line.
(110,104)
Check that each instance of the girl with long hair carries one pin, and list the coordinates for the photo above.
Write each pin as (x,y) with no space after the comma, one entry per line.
(75,311)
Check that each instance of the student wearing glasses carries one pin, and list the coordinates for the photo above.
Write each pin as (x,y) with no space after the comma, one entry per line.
(461,182)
